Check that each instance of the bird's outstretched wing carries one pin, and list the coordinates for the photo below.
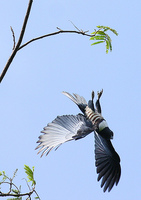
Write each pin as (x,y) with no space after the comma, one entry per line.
(62,129)
(78,100)
(107,163)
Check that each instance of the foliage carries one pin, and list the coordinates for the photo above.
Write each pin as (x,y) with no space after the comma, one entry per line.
(30,173)
(15,191)
(101,36)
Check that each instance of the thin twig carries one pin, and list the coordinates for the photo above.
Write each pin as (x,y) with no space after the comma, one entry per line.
(27,184)
(10,188)
(18,46)
(19,41)
(37,194)
(13,35)
(15,195)
(75,26)
(80,30)
(11,184)
(54,33)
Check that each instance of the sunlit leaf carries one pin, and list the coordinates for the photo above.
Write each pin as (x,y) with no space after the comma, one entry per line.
(110,45)
(29,173)
(16,191)
(102,35)
(97,37)
(106,28)
(107,46)
(2,173)
(97,42)
(93,33)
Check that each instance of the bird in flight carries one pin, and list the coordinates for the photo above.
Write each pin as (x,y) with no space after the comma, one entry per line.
(73,127)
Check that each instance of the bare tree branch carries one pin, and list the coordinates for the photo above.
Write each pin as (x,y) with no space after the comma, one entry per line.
(17,195)
(55,33)
(19,41)
(18,46)
(13,190)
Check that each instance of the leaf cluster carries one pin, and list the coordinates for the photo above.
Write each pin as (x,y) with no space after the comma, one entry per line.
(30,174)
(101,36)
(15,191)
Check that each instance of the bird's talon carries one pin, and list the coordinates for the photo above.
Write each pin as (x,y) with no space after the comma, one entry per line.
(92,95)
(99,94)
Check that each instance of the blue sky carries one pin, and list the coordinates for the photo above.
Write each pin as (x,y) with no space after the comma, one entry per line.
(30,94)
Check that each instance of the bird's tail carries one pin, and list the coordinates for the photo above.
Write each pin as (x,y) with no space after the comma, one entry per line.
(78,100)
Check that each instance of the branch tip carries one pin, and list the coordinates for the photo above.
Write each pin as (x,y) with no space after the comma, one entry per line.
(13,35)
(59,29)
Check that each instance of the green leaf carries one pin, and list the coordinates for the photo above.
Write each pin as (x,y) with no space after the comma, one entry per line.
(107,46)
(16,191)
(98,37)
(110,45)
(93,33)
(114,31)
(30,173)
(103,37)
(106,28)
(100,32)
(0,173)
(97,42)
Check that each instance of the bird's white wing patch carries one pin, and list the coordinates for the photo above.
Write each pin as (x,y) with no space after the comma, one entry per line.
(62,129)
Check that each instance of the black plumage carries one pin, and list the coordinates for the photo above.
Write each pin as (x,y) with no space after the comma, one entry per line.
(73,127)
(107,162)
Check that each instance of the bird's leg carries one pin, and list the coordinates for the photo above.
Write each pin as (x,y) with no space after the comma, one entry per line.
(92,95)
(99,94)
(90,102)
